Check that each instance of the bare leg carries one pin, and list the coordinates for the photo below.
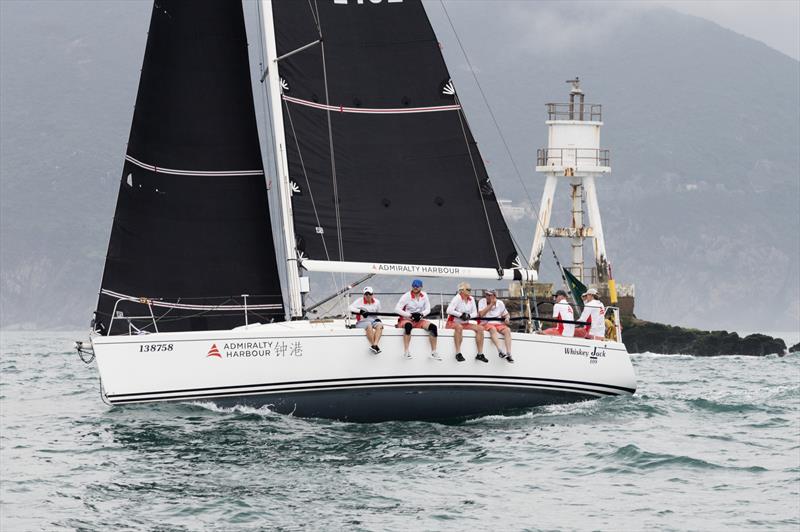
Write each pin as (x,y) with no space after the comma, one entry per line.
(479,338)
(507,338)
(406,341)
(457,335)
(376,335)
(432,339)
(369,332)
(495,339)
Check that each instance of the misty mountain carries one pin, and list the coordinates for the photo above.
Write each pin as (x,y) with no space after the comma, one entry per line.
(700,212)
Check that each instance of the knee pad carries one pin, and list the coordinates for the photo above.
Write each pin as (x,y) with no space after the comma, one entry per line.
(408,328)
(433,330)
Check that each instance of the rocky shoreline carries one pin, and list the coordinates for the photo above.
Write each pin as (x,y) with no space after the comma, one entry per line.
(641,336)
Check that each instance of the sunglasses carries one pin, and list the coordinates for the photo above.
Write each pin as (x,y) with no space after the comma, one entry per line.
(367,293)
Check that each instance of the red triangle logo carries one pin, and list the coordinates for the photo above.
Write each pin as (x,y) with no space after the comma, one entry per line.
(214,352)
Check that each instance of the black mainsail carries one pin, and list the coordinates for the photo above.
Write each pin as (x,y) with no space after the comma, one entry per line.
(383,165)
(192,228)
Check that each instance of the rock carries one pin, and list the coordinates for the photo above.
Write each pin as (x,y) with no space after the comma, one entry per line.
(643,336)
(795,348)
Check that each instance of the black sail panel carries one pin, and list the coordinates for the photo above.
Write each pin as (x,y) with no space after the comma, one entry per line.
(192,227)
(411,184)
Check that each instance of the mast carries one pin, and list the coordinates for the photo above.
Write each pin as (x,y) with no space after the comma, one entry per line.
(281,163)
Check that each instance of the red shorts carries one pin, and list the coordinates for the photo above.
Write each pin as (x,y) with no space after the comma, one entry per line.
(499,325)
(421,324)
(468,326)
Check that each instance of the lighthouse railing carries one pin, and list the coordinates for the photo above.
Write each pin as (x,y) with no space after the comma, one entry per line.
(572,157)
(592,112)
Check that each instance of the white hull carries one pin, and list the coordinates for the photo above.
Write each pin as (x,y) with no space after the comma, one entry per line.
(326,370)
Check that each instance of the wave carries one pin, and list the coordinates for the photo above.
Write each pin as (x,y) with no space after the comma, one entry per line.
(636,458)
(719,407)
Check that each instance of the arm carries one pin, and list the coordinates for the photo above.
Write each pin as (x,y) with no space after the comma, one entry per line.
(399,308)
(451,308)
(586,315)
(505,313)
(472,310)
(427,308)
(355,307)
(483,308)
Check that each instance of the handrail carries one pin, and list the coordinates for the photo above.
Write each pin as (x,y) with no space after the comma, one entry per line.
(575,111)
(576,156)
(154,302)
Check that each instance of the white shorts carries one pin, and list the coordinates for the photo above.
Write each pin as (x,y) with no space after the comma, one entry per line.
(363,323)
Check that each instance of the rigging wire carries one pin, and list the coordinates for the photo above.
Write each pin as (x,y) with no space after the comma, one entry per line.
(503,140)
(339,237)
(310,193)
(478,182)
(305,175)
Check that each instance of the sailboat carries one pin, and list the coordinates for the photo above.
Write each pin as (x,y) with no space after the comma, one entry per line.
(374,171)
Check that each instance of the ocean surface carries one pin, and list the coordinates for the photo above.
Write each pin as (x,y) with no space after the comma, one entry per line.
(705,444)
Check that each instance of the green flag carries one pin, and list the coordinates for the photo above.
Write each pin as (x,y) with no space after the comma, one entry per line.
(576,287)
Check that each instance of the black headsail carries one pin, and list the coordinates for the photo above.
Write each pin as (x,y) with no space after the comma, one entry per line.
(399,157)
(192,225)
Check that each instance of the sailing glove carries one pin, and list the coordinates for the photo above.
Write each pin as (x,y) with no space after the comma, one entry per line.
(465,316)
(363,312)
(416,316)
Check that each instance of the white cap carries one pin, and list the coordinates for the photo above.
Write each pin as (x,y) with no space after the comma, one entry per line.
(590,292)
(368,289)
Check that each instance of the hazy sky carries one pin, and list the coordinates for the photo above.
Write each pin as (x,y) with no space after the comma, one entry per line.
(773,22)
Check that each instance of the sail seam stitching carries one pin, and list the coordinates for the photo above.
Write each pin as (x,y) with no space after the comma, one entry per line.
(372,110)
(202,173)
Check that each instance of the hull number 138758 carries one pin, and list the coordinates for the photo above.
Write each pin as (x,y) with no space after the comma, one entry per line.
(148,348)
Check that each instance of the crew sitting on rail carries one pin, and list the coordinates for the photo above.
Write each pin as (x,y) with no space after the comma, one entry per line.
(412,307)
(366,310)
(562,310)
(460,310)
(494,309)
(593,312)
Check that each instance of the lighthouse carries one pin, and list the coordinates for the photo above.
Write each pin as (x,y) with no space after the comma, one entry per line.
(574,157)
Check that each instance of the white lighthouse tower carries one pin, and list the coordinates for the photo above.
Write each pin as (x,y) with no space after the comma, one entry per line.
(573,156)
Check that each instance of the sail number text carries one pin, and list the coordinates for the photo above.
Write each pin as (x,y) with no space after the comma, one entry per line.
(148,348)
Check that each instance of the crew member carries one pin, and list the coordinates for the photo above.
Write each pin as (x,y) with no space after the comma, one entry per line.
(491,307)
(366,309)
(562,310)
(412,307)
(611,326)
(460,311)
(593,313)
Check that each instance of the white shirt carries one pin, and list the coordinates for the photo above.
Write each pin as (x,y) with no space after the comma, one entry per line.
(458,306)
(563,311)
(361,304)
(594,312)
(499,310)
(408,304)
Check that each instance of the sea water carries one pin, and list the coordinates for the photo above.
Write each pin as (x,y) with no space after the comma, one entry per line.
(705,444)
